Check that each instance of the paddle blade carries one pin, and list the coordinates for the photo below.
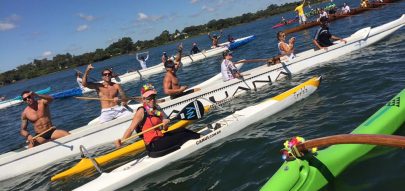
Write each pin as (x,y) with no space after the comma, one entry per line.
(194,110)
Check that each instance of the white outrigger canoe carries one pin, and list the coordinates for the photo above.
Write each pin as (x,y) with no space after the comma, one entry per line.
(186,60)
(21,161)
(16,163)
(263,75)
(233,123)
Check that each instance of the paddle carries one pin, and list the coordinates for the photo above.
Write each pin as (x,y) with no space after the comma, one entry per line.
(107,99)
(139,99)
(192,111)
(301,148)
(46,131)
(270,61)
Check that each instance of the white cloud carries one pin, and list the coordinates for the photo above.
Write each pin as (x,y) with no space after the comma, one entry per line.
(46,54)
(9,22)
(86,17)
(4,26)
(208,9)
(82,28)
(144,17)
(193,1)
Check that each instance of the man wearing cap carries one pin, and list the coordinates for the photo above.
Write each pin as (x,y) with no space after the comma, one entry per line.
(214,39)
(108,92)
(323,37)
(148,116)
(228,68)
(171,84)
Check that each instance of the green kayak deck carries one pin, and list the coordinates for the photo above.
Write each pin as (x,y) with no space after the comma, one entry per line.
(314,172)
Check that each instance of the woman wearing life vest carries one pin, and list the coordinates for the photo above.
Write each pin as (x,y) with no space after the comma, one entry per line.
(149,115)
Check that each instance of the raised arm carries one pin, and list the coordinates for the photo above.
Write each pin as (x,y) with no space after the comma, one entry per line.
(47,98)
(84,79)
(179,53)
(209,36)
(220,34)
(147,56)
(137,58)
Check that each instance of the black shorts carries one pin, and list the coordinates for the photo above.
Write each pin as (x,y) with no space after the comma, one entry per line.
(48,134)
(170,142)
(182,94)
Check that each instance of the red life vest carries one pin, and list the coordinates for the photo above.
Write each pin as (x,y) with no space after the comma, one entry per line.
(148,122)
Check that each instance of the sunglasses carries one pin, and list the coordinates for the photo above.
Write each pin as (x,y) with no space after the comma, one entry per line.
(107,74)
(151,98)
(26,98)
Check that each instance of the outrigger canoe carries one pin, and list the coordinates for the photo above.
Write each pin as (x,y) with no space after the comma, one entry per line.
(231,124)
(98,134)
(333,17)
(315,172)
(283,24)
(21,161)
(70,93)
(18,100)
(186,60)
(265,75)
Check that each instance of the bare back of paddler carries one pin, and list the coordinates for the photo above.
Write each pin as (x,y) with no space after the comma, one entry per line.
(37,112)
(108,92)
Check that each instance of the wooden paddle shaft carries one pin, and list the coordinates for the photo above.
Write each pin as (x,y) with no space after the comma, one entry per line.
(371,139)
(46,131)
(141,133)
(107,99)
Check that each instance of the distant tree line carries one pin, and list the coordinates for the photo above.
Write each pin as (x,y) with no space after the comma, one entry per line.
(126,45)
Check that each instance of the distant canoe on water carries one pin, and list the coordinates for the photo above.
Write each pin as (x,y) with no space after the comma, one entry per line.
(333,17)
(18,100)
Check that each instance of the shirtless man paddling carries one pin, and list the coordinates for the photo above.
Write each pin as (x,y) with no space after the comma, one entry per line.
(108,92)
(37,112)
(171,84)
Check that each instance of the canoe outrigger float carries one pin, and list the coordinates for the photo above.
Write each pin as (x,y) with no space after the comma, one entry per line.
(16,163)
(316,171)
(18,100)
(233,123)
(186,60)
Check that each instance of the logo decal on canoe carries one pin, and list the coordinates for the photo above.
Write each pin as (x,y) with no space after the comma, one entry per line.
(394,102)
(209,136)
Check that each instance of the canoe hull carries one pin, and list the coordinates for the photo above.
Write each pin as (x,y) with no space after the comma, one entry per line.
(186,60)
(303,175)
(134,170)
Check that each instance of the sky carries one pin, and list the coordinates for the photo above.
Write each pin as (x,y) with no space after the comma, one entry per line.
(38,29)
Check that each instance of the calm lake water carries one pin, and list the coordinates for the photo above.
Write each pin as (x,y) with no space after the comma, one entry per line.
(354,86)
